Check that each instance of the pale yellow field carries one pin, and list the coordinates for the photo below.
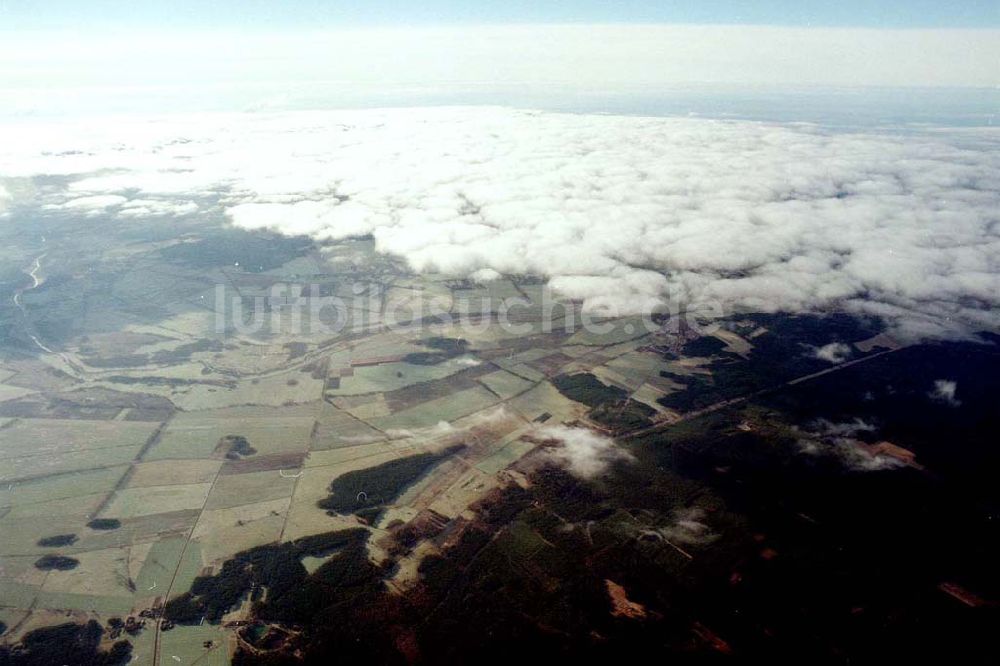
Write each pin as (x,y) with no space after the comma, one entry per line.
(21,569)
(505,384)
(8,392)
(360,452)
(236,489)
(546,399)
(60,487)
(16,470)
(173,472)
(101,573)
(74,507)
(365,408)
(224,532)
(306,519)
(133,502)
(46,437)
(338,428)
(197,435)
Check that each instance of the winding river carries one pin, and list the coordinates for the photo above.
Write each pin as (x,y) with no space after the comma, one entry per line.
(35,282)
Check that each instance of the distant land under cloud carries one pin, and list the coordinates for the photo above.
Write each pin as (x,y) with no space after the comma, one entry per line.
(617,211)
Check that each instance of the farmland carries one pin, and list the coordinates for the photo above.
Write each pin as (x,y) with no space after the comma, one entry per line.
(121,436)
(147,454)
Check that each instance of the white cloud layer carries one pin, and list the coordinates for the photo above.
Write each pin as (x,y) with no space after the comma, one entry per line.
(611,208)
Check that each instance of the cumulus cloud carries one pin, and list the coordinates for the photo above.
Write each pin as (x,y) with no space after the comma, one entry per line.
(835,352)
(92,204)
(687,527)
(146,208)
(615,210)
(465,427)
(944,391)
(860,459)
(440,428)
(585,453)
(485,276)
(839,440)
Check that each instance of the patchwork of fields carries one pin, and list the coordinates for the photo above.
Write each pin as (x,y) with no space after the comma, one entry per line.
(153,448)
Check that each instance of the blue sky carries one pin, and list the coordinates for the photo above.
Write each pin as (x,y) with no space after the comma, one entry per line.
(19,14)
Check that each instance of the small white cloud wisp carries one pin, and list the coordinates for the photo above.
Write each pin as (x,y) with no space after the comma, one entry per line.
(583,452)
(835,352)
(944,391)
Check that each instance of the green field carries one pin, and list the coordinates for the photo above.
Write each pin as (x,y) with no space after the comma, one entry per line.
(198,435)
(435,411)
